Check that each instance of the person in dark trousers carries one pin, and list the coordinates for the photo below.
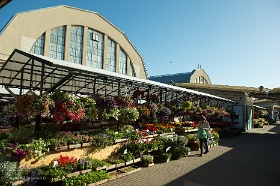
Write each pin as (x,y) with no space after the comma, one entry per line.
(203,130)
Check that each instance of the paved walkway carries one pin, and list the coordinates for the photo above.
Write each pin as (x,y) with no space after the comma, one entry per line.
(252,158)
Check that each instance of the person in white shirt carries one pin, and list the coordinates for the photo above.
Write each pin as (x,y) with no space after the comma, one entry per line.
(203,130)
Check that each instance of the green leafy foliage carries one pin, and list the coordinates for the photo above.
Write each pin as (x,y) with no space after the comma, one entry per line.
(101,141)
(84,179)
(51,172)
(126,157)
(147,158)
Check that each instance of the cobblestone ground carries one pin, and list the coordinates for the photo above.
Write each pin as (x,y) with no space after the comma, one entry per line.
(251,158)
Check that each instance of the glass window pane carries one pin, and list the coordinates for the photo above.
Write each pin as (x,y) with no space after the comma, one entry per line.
(38,47)
(95,53)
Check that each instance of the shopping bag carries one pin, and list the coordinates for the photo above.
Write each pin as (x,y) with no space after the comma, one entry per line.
(201,134)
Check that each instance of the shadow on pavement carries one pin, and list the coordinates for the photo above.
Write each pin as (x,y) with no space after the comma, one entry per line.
(254,159)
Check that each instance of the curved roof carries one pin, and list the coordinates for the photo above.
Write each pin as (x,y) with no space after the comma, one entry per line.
(8,23)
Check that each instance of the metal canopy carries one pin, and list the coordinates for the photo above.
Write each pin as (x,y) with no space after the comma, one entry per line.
(31,72)
(272,94)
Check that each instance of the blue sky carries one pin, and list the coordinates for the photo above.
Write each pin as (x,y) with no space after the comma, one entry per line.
(237,42)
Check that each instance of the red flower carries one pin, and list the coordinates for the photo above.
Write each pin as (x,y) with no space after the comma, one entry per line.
(66,160)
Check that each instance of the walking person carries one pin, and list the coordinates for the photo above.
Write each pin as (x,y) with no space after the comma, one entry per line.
(203,132)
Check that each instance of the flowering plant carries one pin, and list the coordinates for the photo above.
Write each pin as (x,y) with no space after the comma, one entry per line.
(165,127)
(143,133)
(37,147)
(42,105)
(33,149)
(89,104)
(17,150)
(67,107)
(153,108)
(164,111)
(138,94)
(151,128)
(66,160)
(8,113)
(124,101)
(143,111)
(128,115)
(87,138)
(23,103)
(151,145)
(103,103)
(110,113)
(187,124)
(83,164)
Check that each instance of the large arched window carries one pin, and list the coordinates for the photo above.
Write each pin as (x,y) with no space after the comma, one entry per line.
(132,71)
(76,44)
(111,56)
(94,49)
(57,42)
(38,47)
(122,62)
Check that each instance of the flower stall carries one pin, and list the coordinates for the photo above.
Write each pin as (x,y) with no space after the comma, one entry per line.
(71,113)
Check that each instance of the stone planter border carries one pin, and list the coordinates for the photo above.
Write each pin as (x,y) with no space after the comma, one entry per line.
(74,146)
(129,162)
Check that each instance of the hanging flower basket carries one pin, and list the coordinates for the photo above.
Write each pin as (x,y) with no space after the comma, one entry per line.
(67,108)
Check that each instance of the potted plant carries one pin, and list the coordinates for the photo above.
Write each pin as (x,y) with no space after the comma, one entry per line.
(58,144)
(127,157)
(66,107)
(96,164)
(165,156)
(87,140)
(137,148)
(38,147)
(102,140)
(179,152)
(162,155)
(128,115)
(147,160)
